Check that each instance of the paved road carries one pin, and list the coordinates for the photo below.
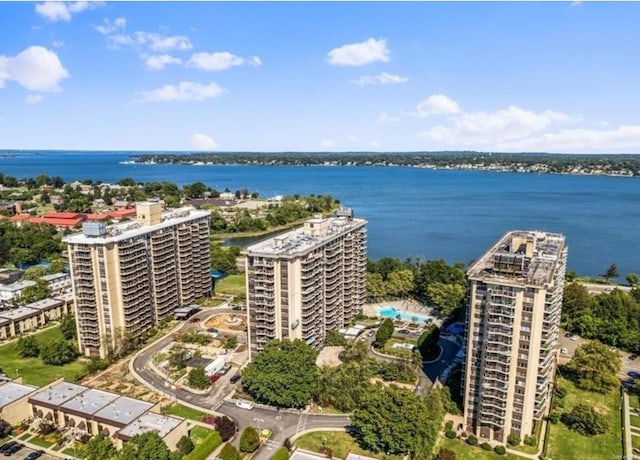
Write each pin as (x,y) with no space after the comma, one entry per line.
(283,424)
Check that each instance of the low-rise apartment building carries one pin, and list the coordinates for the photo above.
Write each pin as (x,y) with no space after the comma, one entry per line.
(128,277)
(30,317)
(305,282)
(513,321)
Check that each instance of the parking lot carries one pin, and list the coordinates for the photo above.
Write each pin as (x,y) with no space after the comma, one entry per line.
(25,451)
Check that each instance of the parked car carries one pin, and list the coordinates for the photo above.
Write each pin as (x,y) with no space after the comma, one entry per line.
(34,455)
(564,351)
(7,445)
(634,374)
(225,369)
(236,308)
(633,357)
(195,319)
(246,405)
(214,378)
(235,378)
(372,333)
(213,330)
(575,338)
(13,449)
(403,331)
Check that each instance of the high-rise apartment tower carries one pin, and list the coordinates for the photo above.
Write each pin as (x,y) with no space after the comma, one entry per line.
(128,277)
(513,320)
(306,282)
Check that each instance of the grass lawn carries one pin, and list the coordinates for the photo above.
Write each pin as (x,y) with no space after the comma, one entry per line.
(25,436)
(33,370)
(205,447)
(41,442)
(635,441)
(634,401)
(537,429)
(400,352)
(466,452)
(231,285)
(635,420)
(199,433)
(567,445)
(184,411)
(72,452)
(338,441)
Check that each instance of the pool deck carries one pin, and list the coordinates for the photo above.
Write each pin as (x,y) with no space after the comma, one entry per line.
(410,306)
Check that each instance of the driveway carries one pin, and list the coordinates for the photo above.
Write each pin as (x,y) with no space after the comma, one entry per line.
(449,351)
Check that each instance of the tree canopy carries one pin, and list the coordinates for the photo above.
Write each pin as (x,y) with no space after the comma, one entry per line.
(58,352)
(283,374)
(145,446)
(99,447)
(249,440)
(384,333)
(594,367)
(585,420)
(28,347)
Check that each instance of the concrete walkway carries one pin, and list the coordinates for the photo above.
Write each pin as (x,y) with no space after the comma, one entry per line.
(627,429)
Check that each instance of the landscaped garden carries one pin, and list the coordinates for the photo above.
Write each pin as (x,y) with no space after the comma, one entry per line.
(33,370)
(338,442)
(563,441)
(402,348)
(466,452)
(231,285)
(184,411)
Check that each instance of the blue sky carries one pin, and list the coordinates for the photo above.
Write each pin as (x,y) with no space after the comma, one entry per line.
(560,77)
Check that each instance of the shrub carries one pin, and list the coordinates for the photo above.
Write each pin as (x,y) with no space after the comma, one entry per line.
(281,454)
(5,428)
(531,441)
(58,353)
(446,454)
(198,378)
(560,391)
(472,440)
(208,445)
(28,347)
(553,417)
(585,420)
(450,434)
(500,450)
(486,446)
(513,439)
(46,428)
(249,439)
(226,427)
(448,426)
(229,452)
(185,445)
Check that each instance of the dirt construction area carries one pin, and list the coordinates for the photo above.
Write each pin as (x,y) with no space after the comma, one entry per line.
(227,323)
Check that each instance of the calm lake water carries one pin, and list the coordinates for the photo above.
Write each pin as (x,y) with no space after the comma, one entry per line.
(453,215)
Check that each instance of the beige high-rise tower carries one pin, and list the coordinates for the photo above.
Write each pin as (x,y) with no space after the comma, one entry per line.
(306,282)
(129,276)
(513,320)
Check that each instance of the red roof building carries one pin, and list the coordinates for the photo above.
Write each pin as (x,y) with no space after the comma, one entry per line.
(122,213)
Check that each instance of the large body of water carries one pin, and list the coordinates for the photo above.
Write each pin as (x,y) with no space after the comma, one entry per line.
(453,215)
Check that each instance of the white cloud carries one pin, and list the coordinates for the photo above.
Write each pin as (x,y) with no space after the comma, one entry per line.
(57,44)
(158,62)
(328,144)
(384,117)
(150,40)
(203,142)
(109,27)
(624,139)
(383,78)
(437,104)
(220,61)
(33,98)
(357,54)
(491,128)
(63,11)
(183,91)
(35,68)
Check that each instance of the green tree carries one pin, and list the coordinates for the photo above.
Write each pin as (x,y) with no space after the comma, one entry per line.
(68,327)
(446,454)
(414,422)
(343,387)
(198,378)
(58,265)
(249,440)
(127,182)
(334,339)
(28,347)
(384,333)
(38,291)
(585,420)
(226,427)
(281,454)
(612,272)
(283,374)
(594,367)
(445,297)
(99,447)
(195,190)
(58,353)
(633,279)
(176,359)
(229,452)
(375,286)
(399,283)
(427,340)
(185,445)
(34,273)
(145,446)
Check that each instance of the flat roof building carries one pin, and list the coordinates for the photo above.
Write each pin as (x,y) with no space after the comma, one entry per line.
(161,424)
(128,277)
(307,281)
(512,324)
(14,401)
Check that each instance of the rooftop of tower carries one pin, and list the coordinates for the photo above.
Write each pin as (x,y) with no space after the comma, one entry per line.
(315,233)
(522,257)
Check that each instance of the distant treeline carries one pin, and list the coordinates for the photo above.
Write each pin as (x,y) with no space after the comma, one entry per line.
(523,162)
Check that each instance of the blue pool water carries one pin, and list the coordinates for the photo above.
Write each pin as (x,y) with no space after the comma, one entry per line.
(390,312)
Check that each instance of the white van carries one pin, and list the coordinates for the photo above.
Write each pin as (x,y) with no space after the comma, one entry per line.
(244,405)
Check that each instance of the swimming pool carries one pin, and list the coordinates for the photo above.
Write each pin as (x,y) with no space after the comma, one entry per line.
(390,312)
